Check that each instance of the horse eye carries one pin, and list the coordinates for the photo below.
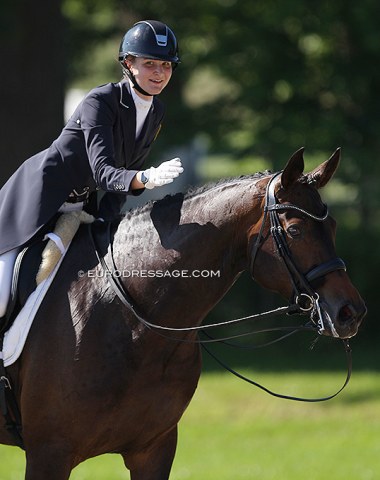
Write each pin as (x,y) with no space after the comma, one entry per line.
(294,231)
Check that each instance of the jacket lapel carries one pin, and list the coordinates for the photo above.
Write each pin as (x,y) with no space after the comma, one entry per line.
(127,124)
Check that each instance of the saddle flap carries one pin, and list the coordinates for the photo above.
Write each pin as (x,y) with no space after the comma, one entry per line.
(23,280)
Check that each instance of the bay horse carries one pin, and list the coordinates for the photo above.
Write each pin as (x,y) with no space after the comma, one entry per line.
(94,379)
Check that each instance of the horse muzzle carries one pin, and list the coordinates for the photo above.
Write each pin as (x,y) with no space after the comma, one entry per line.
(341,319)
(338,309)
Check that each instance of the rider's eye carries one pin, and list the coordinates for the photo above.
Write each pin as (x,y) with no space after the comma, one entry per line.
(294,231)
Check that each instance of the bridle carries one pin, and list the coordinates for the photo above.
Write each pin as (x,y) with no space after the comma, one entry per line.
(303,293)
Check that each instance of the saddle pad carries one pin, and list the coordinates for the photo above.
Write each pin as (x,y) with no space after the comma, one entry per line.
(15,337)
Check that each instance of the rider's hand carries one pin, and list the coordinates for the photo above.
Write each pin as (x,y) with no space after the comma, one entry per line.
(163,174)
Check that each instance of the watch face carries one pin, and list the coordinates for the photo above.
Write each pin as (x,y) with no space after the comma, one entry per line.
(144,178)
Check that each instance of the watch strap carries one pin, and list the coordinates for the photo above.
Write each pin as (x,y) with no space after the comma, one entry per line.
(144,178)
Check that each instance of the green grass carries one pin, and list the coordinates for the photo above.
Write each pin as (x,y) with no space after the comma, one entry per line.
(234,431)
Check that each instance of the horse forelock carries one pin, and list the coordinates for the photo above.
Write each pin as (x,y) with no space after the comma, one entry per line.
(307,195)
(308,180)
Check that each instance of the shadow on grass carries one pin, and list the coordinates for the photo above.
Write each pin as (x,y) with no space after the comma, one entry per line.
(368,395)
(296,354)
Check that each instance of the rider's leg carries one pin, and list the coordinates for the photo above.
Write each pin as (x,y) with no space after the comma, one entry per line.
(7,261)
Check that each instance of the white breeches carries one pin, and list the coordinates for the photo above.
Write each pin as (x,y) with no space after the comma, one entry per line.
(7,261)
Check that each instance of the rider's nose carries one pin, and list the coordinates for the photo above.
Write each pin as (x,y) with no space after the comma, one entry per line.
(159,69)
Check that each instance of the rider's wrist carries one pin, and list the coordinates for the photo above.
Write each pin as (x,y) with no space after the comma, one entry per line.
(144,177)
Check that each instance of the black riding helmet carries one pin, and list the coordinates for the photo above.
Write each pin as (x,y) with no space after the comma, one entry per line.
(148,39)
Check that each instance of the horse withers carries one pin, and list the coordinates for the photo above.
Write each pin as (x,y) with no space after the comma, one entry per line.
(93,378)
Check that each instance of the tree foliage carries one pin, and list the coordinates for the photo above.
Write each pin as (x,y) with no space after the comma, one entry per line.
(31,80)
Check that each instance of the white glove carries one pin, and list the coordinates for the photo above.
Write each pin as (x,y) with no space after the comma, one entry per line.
(163,174)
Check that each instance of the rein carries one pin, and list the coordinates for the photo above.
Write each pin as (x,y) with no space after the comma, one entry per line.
(306,299)
(347,349)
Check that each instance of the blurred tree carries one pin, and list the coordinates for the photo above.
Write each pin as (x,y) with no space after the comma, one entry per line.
(32,79)
(94,30)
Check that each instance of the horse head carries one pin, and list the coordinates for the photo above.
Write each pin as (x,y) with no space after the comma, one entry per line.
(292,249)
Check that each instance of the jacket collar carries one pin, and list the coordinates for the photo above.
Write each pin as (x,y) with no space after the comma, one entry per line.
(126,99)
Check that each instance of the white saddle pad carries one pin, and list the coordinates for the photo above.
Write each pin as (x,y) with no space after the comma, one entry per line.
(15,337)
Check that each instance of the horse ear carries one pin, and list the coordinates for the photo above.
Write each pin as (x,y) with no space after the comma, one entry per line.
(322,174)
(293,170)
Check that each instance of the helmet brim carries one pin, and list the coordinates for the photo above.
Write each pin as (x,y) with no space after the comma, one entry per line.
(164,58)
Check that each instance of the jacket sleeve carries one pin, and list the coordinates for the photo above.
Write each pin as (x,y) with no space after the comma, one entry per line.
(97,120)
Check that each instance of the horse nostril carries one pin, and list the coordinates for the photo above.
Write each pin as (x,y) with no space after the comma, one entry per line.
(347,314)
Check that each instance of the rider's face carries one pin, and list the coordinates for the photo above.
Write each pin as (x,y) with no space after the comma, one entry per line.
(151,75)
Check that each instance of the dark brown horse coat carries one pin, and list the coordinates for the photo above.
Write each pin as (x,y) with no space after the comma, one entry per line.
(96,149)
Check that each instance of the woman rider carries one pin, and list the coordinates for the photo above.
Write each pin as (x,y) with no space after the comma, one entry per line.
(103,147)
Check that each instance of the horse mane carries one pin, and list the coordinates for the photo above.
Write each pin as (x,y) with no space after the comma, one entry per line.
(193,192)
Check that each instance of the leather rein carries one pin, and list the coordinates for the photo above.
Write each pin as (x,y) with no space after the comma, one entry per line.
(306,299)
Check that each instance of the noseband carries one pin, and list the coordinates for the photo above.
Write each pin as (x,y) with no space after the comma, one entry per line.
(304,294)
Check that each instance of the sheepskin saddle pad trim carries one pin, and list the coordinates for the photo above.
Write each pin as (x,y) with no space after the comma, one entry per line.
(37,261)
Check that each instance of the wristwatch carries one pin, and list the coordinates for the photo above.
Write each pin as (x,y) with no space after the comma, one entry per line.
(144,177)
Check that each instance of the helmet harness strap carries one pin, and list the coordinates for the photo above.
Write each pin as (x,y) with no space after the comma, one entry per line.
(132,78)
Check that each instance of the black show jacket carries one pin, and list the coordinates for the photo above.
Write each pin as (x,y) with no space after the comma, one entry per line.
(96,149)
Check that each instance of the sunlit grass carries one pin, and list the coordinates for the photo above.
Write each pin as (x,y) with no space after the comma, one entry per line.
(234,431)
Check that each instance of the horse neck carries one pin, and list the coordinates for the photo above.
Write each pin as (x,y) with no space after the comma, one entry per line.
(204,228)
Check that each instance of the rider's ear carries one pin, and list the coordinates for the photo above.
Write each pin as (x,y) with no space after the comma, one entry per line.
(293,170)
(322,174)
